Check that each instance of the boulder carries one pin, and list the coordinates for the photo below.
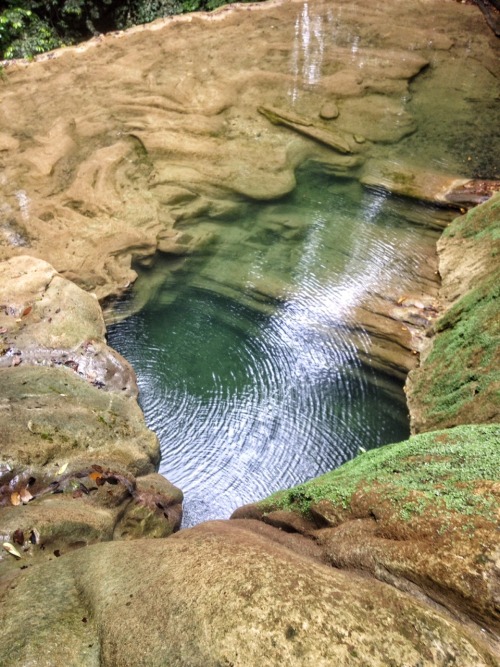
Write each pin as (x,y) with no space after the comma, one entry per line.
(77,461)
(218,594)
(421,516)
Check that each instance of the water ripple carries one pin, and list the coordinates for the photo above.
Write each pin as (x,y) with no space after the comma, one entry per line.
(246,403)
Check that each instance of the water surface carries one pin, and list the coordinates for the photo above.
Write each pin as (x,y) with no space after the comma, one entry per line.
(243,357)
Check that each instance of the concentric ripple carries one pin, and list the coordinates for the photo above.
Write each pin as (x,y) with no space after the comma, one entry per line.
(246,401)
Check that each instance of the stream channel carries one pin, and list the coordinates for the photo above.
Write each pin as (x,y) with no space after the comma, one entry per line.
(252,395)
(243,350)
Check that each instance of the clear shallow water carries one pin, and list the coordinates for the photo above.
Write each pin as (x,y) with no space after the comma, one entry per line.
(252,392)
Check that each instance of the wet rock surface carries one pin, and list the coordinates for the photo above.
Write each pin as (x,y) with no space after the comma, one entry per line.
(103,180)
(106,178)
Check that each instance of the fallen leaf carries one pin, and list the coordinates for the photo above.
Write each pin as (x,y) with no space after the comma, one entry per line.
(15,498)
(62,469)
(95,476)
(27,311)
(11,549)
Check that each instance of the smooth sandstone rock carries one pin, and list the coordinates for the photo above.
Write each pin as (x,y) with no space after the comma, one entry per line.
(84,188)
(329,111)
(212,595)
(46,320)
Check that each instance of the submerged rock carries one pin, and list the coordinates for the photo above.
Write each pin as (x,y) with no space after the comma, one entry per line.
(101,182)
(97,182)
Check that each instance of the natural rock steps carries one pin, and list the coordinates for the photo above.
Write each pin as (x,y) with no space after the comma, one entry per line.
(76,461)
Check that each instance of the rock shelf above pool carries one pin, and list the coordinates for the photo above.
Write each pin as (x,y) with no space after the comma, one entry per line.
(109,149)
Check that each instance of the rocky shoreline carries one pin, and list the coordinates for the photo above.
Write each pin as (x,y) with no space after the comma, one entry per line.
(401,542)
(392,559)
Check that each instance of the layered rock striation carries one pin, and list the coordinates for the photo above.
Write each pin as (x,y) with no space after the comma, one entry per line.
(77,461)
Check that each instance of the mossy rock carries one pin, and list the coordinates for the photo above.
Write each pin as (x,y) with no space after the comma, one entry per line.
(421,515)
(459,380)
(439,474)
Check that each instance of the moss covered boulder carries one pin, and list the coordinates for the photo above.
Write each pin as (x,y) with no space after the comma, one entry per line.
(458,381)
(422,515)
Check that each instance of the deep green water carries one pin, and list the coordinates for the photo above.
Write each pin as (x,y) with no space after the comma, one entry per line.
(245,364)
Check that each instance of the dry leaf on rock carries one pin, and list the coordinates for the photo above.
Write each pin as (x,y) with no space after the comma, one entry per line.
(18,536)
(25,495)
(62,469)
(11,549)
(15,498)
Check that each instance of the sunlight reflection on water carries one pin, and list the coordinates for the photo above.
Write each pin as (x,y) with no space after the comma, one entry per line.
(246,403)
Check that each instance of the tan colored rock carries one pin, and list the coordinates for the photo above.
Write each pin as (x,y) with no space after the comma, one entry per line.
(421,515)
(46,320)
(218,594)
(50,415)
(85,185)
(457,381)
(329,111)
(410,182)
(73,439)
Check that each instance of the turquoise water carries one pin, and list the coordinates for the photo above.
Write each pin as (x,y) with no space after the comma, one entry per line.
(244,357)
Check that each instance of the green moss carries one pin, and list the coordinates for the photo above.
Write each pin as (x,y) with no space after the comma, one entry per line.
(481,222)
(438,471)
(460,380)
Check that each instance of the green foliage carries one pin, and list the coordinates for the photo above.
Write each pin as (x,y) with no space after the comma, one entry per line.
(438,472)
(23,34)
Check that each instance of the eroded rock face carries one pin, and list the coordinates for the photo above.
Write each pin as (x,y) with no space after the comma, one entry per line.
(164,138)
(46,320)
(77,461)
(159,602)
(107,177)
(458,381)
